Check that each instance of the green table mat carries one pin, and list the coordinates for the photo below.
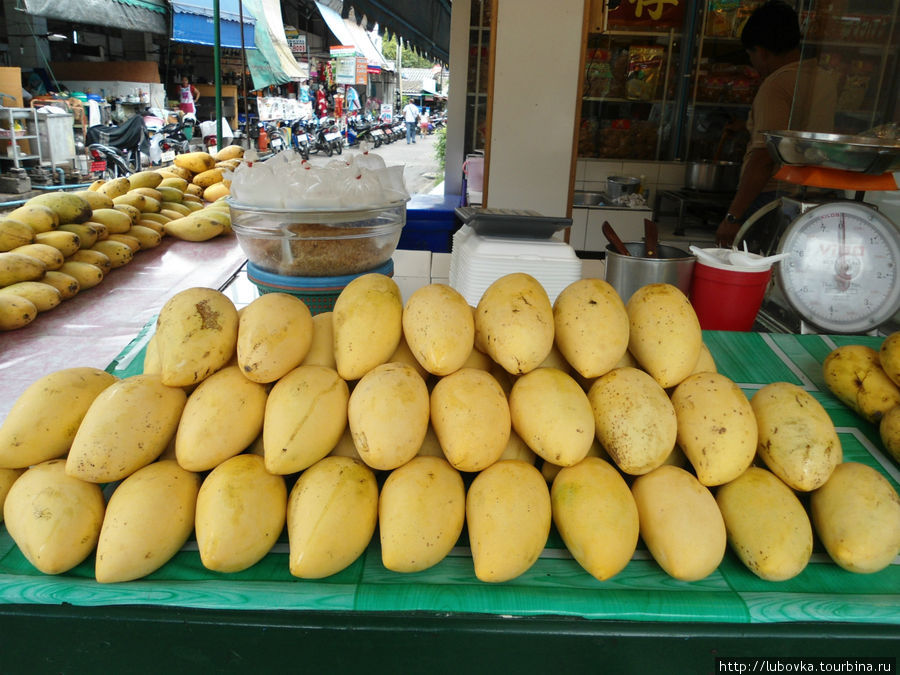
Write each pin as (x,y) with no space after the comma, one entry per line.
(556,584)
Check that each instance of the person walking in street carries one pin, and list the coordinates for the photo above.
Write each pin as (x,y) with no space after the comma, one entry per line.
(188,96)
(411,117)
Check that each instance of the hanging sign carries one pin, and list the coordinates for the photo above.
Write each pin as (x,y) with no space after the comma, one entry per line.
(345,70)
(297,44)
(647,14)
(362,71)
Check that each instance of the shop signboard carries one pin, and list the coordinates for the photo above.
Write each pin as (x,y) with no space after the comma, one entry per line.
(345,70)
(387,112)
(644,14)
(342,51)
(362,71)
(297,44)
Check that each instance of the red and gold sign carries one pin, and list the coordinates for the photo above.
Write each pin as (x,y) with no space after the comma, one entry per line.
(645,14)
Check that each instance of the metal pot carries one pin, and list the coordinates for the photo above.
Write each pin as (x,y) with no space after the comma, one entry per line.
(707,176)
(627,273)
(616,186)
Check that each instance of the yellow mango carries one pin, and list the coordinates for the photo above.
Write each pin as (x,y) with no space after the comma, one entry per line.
(274,335)
(470,416)
(439,328)
(664,333)
(331,516)
(421,512)
(553,415)
(796,438)
(222,416)
(680,523)
(856,514)
(388,415)
(591,326)
(508,514)
(515,320)
(197,333)
(634,419)
(717,428)
(148,519)
(367,324)
(305,415)
(241,511)
(54,519)
(42,422)
(127,426)
(766,524)
(596,516)
(321,348)
(7,478)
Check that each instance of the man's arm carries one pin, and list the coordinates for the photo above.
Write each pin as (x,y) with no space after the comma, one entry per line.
(756,174)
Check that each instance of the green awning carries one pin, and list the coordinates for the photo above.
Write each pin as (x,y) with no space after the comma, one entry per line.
(272,62)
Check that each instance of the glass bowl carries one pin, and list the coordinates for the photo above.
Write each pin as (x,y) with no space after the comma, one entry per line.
(318,242)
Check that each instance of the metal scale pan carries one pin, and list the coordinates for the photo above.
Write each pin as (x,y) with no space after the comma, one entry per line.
(842,274)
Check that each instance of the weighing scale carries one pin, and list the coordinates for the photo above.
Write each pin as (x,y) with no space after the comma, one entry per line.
(842,275)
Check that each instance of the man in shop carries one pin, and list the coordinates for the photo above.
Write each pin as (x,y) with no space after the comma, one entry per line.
(411,117)
(794,94)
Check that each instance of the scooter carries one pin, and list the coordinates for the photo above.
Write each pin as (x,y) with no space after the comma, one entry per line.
(327,138)
(116,150)
(170,140)
(360,131)
(301,140)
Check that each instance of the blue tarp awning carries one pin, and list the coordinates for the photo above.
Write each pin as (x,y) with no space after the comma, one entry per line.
(192,21)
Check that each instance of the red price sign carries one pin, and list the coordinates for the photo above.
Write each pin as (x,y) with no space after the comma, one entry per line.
(648,14)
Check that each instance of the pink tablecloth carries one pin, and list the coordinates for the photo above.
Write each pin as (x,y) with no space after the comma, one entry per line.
(94,326)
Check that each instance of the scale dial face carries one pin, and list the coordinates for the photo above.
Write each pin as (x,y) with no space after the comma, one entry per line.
(843,272)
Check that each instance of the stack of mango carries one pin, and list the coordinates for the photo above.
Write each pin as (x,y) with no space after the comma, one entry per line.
(868,382)
(60,243)
(423,417)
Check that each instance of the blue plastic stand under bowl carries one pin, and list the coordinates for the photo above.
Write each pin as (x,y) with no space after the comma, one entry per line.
(319,293)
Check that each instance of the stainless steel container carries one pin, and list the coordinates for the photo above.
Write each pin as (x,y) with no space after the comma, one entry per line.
(709,176)
(627,273)
(616,186)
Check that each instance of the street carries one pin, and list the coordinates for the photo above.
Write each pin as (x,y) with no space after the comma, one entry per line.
(421,166)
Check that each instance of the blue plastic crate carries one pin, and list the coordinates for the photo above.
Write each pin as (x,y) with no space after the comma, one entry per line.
(430,223)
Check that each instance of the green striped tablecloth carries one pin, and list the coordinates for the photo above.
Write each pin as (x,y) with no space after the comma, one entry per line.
(556,584)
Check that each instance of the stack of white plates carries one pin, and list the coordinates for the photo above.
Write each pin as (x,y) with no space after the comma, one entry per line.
(476,262)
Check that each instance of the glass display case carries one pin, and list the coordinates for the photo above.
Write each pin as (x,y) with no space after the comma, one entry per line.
(669,87)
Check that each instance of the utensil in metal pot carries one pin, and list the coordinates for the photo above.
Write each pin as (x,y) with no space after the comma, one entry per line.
(651,238)
(614,238)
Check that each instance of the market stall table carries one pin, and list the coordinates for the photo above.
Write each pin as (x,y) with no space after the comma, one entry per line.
(441,619)
(91,328)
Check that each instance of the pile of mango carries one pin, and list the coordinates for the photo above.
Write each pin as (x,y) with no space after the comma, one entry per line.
(868,382)
(60,243)
(608,420)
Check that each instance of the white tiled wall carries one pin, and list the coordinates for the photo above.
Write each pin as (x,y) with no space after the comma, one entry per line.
(591,174)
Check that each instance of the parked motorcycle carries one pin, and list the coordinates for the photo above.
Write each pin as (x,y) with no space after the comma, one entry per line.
(301,139)
(327,138)
(359,130)
(115,151)
(170,140)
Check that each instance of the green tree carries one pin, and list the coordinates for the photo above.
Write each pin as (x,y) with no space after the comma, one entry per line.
(411,59)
